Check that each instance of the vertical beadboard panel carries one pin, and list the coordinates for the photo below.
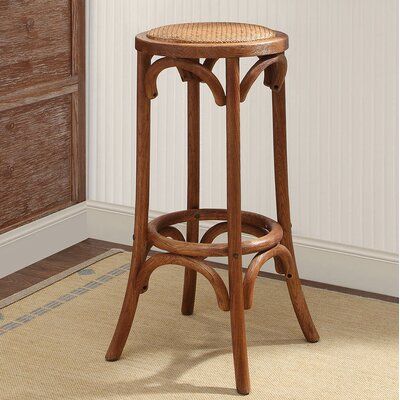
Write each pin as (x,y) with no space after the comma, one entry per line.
(342,115)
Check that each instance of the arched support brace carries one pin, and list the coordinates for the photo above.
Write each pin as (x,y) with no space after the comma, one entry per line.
(293,283)
(191,66)
(202,267)
(210,62)
(275,68)
(212,233)
(254,268)
(171,232)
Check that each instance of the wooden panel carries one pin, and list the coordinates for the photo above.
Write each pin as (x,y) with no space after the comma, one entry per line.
(35,160)
(78,102)
(35,42)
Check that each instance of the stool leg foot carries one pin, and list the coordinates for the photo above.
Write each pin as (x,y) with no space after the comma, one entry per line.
(297,296)
(301,309)
(235,227)
(193,187)
(141,245)
(239,344)
(124,322)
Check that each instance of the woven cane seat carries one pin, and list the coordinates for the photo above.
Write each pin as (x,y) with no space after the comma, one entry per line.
(211,32)
(212,40)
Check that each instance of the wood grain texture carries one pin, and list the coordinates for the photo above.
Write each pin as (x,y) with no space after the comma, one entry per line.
(43,91)
(78,133)
(35,42)
(274,81)
(193,187)
(35,171)
(191,66)
(289,270)
(141,243)
(204,268)
(42,68)
(271,239)
(234,217)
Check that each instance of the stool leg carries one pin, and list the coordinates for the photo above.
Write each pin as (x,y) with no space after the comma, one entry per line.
(193,187)
(235,226)
(139,252)
(283,212)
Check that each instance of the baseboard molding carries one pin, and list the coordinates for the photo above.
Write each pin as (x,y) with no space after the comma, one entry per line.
(39,239)
(325,262)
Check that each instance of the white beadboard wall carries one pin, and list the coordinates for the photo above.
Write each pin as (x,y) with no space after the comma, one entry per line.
(341,108)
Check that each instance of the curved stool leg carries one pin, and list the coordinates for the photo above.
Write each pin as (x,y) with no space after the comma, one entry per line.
(193,187)
(297,296)
(141,216)
(283,212)
(235,226)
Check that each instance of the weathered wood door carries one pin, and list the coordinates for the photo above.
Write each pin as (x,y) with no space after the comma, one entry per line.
(42,108)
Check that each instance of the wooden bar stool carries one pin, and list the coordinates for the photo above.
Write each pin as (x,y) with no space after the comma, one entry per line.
(182,46)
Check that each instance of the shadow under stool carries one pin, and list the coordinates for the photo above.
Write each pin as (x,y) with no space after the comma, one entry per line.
(182,46)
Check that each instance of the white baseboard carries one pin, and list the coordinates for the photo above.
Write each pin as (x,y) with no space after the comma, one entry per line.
(327,262)
(39,239)
(332,263)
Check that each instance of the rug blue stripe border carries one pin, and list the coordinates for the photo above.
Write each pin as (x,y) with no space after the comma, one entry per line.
(65,298)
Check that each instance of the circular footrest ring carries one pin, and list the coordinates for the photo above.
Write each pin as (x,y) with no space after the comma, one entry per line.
(259,222)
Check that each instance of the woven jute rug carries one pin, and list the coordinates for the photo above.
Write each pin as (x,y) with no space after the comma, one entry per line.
(53,342)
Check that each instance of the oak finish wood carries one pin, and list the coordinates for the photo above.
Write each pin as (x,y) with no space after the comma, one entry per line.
(289,270)
(35,168)
(234,217)
(35,42)
(43,147)
(191,263)
(261,65)
(140,245)
(193,188)
(40,92)
(272,239)
(78,156)
(195,68)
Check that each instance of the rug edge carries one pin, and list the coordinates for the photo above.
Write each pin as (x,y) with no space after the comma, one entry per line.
(57,277)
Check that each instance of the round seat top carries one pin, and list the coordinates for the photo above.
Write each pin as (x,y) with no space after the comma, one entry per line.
(212,40)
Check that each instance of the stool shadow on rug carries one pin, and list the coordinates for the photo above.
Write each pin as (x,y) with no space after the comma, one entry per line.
(187,354)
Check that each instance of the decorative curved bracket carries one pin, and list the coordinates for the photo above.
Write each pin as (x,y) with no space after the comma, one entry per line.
(287,264)
(210,62)
(188,76)
(202,267)
(172,232)
(191,66)
(168,231)
(212,233)
(274,67)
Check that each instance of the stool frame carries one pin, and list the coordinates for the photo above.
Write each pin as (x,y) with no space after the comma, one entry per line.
(273,239)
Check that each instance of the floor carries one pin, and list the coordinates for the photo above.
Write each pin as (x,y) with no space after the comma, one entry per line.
(53,343)
(89,248)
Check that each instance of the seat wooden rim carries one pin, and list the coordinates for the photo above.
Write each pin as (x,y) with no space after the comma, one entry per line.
(277,44)
(265,242)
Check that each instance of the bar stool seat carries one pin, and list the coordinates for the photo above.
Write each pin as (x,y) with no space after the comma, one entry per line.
(212,39)
(183,46)
(211,32)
